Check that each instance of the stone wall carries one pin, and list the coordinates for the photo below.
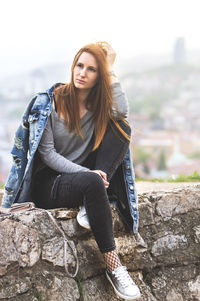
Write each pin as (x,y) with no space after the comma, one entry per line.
(1,195)
(164,259)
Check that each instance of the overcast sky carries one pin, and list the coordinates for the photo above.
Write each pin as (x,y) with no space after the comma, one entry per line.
(39,32)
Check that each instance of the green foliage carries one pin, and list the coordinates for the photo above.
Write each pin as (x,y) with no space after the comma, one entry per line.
(162,161)
(140,155)
(1,185)
(150,103)
(78,280)
(40,298)
(146,169)
(137,179)
(195,177)
(149,99)
(194,155)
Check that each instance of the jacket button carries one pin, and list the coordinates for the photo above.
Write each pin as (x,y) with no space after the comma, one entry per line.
(131,187)
(127,166)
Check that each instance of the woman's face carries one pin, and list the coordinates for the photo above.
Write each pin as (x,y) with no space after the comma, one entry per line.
(85,74)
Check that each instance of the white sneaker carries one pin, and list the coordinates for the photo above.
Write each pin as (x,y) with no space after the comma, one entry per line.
(82,218)
(123,284)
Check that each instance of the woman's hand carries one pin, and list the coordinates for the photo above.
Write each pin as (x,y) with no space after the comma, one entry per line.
(103,175)
(111,54)
(110,57)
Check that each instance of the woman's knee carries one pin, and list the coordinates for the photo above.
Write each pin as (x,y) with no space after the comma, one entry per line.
(92,181)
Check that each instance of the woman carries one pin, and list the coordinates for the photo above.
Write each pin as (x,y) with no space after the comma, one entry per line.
(77,151)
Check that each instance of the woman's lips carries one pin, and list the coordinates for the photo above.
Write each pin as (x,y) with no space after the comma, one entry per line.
(80,81)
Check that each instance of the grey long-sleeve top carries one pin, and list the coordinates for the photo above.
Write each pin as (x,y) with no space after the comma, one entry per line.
(64,151)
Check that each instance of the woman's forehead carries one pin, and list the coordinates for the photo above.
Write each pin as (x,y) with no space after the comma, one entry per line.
(88,58)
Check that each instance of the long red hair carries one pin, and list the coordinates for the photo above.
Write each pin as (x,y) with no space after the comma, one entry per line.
(99,100)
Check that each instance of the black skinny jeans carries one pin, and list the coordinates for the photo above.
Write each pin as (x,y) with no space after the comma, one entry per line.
(53,190)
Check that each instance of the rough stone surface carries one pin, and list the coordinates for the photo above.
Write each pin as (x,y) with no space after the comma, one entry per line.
(19,244)
(168,243)
(194,288)
(163,259)
(63,289)
(1,195)
(174,296)
(10,286)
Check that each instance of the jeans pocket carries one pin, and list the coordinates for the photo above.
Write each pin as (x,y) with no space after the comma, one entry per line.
(54,188)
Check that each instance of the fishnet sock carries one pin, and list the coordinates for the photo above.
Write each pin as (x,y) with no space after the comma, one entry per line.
(112,260)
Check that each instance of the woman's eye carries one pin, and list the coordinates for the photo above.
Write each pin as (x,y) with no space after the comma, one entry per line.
(80,65)
(92,69)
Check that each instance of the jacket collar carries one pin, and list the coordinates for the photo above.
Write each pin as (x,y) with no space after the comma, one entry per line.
(50,90)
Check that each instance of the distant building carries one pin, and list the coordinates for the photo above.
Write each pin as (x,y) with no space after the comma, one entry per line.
(179,51)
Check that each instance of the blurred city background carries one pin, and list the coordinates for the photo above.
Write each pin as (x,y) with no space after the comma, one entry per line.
(158,64)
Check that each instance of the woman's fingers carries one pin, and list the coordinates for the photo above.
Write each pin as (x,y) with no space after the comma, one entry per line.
(106,183)
(103,175)
(111,54)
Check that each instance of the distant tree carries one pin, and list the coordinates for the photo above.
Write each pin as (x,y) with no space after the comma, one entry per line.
(194,155)
(146,169)
(141,156)
(162,161)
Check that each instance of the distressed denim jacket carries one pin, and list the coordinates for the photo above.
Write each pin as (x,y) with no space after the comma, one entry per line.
(26,141)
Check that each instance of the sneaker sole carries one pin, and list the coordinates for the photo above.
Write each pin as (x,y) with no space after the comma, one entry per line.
(119,294)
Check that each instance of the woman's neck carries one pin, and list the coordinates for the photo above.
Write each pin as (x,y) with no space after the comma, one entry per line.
(82,95)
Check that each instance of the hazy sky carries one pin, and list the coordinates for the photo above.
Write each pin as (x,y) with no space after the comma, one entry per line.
(39,32)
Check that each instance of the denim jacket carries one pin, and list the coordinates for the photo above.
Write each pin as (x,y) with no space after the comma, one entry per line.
(26,141)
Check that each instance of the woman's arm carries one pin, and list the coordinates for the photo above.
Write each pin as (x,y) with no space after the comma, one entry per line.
(120,100)
(51,157)
(119,97)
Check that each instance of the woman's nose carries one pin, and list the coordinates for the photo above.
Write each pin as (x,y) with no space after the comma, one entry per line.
(82,72)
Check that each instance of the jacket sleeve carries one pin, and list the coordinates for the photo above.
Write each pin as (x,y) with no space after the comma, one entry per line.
(120,100)
(19,155)
(51,157)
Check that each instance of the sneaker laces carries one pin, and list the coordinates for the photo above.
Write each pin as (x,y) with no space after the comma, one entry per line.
(123,276)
